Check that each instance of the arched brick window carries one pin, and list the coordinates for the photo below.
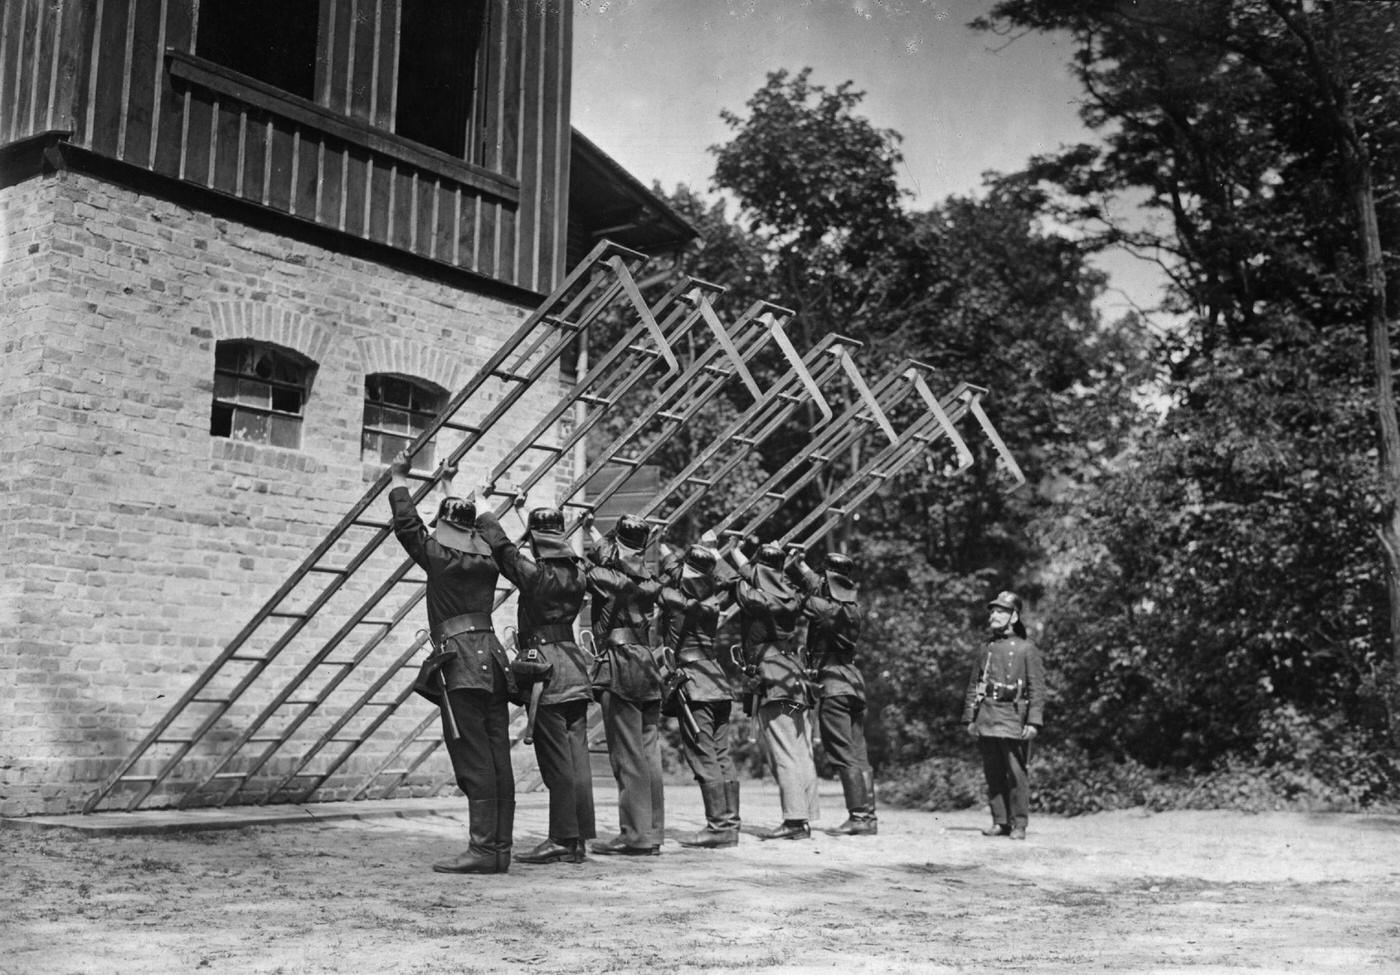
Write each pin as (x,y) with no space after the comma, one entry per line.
(397,411)
(260,392)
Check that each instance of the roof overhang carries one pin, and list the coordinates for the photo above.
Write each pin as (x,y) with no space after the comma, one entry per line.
(606,200)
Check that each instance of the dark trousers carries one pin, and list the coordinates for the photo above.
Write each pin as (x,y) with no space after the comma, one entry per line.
(481,753)
(1004,762)
(708,753)
(561,748)
(842,721)
(634,751)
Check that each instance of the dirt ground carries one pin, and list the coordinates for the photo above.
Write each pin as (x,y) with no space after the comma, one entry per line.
(1115,892)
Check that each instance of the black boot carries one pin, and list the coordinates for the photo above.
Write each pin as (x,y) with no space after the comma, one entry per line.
(716,832)
(858,786)
(731,804)
(480,856)
(791,829)
(505,833)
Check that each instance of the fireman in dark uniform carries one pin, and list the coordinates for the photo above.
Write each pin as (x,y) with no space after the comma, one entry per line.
(690,607)
(1003,710)
(627,683)
(469,666)
(775,682)
(552,585)
(834,621)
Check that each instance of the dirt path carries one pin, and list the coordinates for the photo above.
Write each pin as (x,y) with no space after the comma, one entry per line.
(1116,892)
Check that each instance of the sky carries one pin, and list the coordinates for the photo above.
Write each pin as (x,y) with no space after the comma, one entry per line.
(651,76)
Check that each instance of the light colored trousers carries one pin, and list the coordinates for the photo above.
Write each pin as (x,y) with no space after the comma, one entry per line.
(787,737)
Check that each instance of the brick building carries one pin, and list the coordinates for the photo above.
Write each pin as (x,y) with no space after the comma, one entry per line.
(238,275)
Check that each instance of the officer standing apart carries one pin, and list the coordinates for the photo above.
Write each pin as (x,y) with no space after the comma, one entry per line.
(769,609)
(1003,710)
(552,585)
(627,683)
(467,675)
(834,621)
(690,607)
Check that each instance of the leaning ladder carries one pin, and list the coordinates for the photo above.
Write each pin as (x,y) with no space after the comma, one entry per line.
(585,294)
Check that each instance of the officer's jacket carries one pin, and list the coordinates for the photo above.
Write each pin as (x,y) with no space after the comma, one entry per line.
(624,593)
(769,609)
(461,582)
(1006,691)
(551,594)
(689,615)
(833,628)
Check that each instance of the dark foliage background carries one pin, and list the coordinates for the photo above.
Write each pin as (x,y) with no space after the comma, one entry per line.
(1197,543)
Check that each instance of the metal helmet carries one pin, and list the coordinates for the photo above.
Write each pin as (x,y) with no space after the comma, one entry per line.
(458,511)
(545,520)
(700,558)
(1007,600)
(770,554)
(633,531)
(842,565)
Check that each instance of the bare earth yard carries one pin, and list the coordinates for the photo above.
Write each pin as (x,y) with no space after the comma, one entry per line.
(1115,892)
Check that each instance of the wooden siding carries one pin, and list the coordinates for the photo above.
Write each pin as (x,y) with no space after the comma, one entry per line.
(123,78)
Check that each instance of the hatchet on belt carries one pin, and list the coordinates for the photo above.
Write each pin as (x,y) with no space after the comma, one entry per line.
(680,678)
(448,718)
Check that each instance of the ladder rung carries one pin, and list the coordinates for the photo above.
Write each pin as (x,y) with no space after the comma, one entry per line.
(428,741)
(548,448)
(773,494)
(175,741)
(823,458)
(392,771)
(670,415)
(247,658)
(229,775)
(460,427)
(510,377)
(381,704)
(593,400)
(374,622)
(585,505)
(336,663)
(295,703)
(368,523)
(717,370)
(136,778)
(209,700)
(837,511)
(626,461)
(879,475)
(288,614)
(563,323)
(643,350)
(352,740)
(790,397)
(748,441)
(416,580)
(263,739)
(338,570)
(420,476)
(694,479)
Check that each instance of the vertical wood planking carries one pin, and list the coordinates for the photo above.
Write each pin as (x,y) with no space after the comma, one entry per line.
(338,39)
(179,35)
(29,11)
(199,136)
(405,208)
(331,208)
(228,146)
(513,84)
(254,137)
(445,222)
(385,80)
(468,227)
(109,68)
(154,86)
(325,50)
(553,244)
(424,230)
(45,25)
(9,64)
(362,62)
(127,71)
(378,193)
(531,120)
(308,171)
(279,187)
(356,191)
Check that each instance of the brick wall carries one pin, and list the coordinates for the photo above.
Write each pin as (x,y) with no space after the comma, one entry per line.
(134,544)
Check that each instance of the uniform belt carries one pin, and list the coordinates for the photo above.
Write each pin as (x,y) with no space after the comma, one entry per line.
(466,623)
(624,634)
(547,633)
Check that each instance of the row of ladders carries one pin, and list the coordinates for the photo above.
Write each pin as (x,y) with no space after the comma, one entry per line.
(522,363)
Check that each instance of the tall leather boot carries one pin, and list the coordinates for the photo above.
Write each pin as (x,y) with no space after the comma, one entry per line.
(860,804)
(505,830)
(480,856)
(716,833)
(731,804)
(870,796)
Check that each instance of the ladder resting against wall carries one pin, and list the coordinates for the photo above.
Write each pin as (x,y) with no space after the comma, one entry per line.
(242,732)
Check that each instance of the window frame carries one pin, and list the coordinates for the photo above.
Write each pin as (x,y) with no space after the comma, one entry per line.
(236,405)
(417,387)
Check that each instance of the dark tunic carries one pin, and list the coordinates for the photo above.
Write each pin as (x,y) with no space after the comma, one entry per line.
(1009,672)
(551,593)
(769,609)
(832,632)
(690,610)
(461,581)
(624,594)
